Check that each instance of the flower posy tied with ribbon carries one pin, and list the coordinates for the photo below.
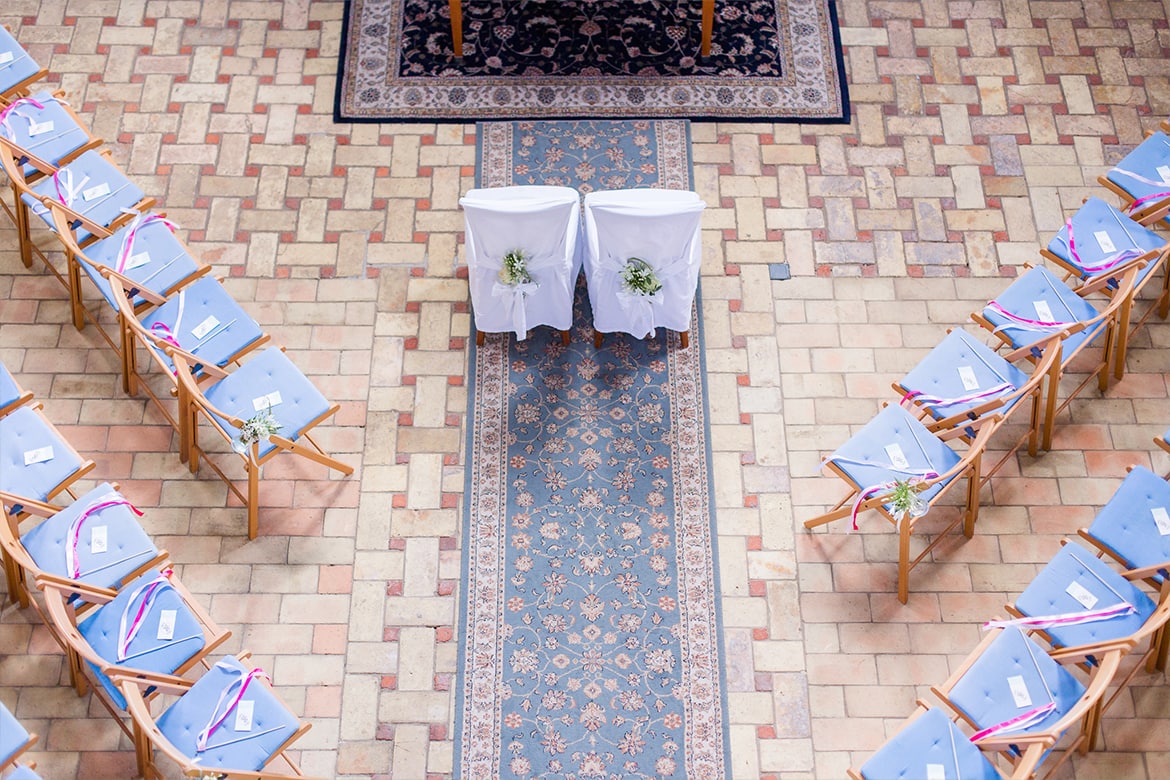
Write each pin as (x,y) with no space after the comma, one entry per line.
(514,269)
(259,426)
(638,278)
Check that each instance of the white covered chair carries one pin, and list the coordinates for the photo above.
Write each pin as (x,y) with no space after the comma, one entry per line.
(544,223)
(659,227)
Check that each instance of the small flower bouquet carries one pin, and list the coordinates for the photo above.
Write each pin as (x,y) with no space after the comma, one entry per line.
(514,271)
(907,501)
(639,278)
(257,427)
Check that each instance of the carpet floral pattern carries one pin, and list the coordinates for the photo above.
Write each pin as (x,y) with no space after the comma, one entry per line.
(770,59)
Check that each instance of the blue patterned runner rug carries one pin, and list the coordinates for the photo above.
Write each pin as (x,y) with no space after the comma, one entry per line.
(590,626)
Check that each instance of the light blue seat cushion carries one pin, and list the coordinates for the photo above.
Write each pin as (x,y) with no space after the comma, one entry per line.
(1144,160)
(94,170)
(9,390)
(866,460)
(1128,238)
(63,137)
(237,394)
(938,375)
(1126,524)
(22,772)
(228,748)
(1048,594)
(984,695)
(930,739)
(200,300)
(1040,284)
(145,651)
(18,65)
(13,736)
(24,430)
(169,261)
(128,546)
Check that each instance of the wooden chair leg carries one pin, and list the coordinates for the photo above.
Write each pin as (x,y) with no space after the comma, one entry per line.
(565,337)
(904,560)
(479,338)
(456,7)
(129,358)
(15,578)
(73,271)
(253,498)
(1122,340)
(597,336)
(972,510)
(684,338)
(23,233)
(1050,403)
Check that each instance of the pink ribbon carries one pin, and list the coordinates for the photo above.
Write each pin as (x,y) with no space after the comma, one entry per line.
(1026,323)
(72,563)
(1029,718)
(1110,262)
(217,719)
(1042,622)
(917,395)
(128,240)
(152,590)
(12,109)
(865,494)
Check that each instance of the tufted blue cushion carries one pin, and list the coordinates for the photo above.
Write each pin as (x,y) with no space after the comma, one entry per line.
(227,748)
(103,209)
(1048,595)
(13,736)
(984,695)
(22,430)
(1144,160)
(301,402)
(1126,524)
(865,460)
(930,739)
(128,546)
(1125,234)
(17,69)
(9,390)
(65,138)
(207,297)
(170,262)
(22,772)
(937,374)
(1040,284)
(146,651)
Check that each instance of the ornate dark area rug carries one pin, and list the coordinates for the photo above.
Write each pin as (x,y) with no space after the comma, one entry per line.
(590,632)
(773,60)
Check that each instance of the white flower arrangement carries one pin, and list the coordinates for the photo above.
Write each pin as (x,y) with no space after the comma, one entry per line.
(257,427)
(639,278)
(514,270)
(906,500)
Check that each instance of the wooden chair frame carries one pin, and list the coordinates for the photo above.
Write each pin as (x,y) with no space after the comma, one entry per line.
(968,466)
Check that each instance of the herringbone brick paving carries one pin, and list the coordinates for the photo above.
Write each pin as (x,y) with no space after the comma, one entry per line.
(977,126)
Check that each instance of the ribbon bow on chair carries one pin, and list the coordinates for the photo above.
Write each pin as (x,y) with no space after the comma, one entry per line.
(640,308)
(513,295)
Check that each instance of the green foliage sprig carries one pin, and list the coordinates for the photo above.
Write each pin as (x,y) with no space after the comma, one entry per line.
(639,278)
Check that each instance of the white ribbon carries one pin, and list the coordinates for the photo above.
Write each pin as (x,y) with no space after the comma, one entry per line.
(513,295)
(640,308)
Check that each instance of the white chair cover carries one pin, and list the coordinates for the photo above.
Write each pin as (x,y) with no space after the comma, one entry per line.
(660,227)
(543,221)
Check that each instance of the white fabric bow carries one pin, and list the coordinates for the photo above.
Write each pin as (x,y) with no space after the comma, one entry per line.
(513,295)
(640,308)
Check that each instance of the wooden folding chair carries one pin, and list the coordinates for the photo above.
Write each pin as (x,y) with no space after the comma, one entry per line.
(18,70)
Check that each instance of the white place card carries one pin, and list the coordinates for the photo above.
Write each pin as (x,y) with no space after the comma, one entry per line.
(99,539)
(1081,594)
(244,711)
(39,128)
(166,624)
(1164,173)
(968,378)
(6,57)
(936,772)
(1104,241)
(39,455)
(896,456)
(1043,311)
(267,401)
(1161,519)
(1019,690)
(203,328)
(98,191)
(134,261)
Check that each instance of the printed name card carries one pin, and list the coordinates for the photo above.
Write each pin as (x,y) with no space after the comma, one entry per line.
(39,455)
(39,128)
(1164,173)
(896,456)
(968,378)
(99,539)
(1161,519)
(203,328)
(1019,691)
(1081,594)
(6,57)
(266,401)
(244,711)
(936,772)
(134,261)
(98,191)
(1104,241)
(166,624)
(1043,311)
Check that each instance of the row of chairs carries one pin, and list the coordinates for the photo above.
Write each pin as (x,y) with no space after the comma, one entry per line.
(1015,700)
(661,228)
(162,300)
(129,628)
(1043,327)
